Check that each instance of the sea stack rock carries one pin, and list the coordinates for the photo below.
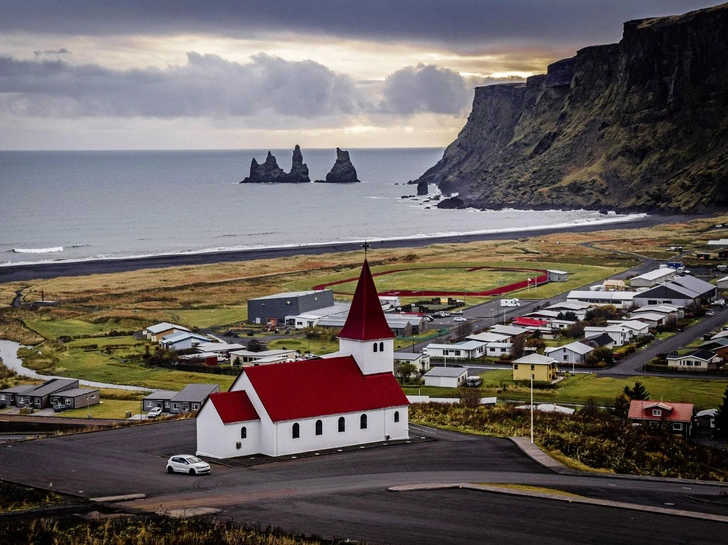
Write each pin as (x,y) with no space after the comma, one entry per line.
(422,188)
(343,172)
(270,172)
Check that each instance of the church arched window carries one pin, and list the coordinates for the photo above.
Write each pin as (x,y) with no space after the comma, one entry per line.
(396,416)
(363,422)
(296,431)
(319,427)
(375,347)
(342,424)
(381,347)
(243,433)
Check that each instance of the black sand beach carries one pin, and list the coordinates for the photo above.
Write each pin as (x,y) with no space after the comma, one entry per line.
(13,273)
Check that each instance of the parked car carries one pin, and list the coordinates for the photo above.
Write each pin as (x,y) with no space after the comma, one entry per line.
(155,412)
(456,312)
(460,319)
(186,463)
(58,407)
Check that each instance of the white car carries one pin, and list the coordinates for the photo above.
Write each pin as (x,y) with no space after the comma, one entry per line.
(155,412)
(186,463)
(460,319)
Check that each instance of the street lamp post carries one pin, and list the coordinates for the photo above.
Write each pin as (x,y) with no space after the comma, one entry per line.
(531,408)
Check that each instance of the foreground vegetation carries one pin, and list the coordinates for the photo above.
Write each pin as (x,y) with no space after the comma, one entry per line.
(144,531)
(591,438)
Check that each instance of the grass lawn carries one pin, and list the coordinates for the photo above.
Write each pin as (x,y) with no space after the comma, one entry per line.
(208,317)
(108,408)
(317,346)
(52,329)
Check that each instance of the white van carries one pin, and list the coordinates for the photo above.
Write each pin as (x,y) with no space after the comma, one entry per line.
(510,303)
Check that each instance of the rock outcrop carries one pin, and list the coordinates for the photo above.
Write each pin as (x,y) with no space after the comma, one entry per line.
(270,172)
(343,171)
(638,125)
(422,188)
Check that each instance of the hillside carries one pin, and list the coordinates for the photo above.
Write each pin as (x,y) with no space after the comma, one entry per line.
(638,125)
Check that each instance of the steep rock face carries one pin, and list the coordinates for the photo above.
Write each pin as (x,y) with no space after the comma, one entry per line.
(639,125)
(270,172)
(343,171)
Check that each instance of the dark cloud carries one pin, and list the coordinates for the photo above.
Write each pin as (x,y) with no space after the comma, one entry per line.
(210,86)
(462,24)
(425,89)
(52,52)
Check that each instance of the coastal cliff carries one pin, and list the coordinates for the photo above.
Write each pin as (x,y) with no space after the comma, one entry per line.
(638,125)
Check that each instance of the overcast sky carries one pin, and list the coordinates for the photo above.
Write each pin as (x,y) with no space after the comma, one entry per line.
(220,74)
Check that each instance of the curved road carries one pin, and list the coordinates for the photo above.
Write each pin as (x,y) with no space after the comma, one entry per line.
(348,494)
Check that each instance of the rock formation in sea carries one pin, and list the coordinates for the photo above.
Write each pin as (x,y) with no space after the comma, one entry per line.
(638,125)
(422,188)
(270,172)
(343,171)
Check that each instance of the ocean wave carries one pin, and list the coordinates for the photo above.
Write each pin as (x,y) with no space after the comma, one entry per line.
(37,250)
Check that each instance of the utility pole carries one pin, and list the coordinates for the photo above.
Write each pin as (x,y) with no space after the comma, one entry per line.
(532,408)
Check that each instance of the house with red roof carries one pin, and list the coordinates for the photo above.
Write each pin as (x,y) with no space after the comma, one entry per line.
(349,398)
(671,416)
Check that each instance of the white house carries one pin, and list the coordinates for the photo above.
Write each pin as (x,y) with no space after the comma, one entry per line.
(156,332)
(264,357)
(464,350)
(620,299)
(419,359)
(575,352)
(698,360)
(620,335)
(182,340)
(653,278)
(446,377)
(302,406)
(639,328)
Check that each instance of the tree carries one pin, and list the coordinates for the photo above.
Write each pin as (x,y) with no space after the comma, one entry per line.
(721,417)
(518,344)
(621,406)
(404,371)
(237,362)
(590,408)
(638,392)
(470,397)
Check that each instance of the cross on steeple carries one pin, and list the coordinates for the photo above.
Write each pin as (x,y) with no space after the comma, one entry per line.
(366,246)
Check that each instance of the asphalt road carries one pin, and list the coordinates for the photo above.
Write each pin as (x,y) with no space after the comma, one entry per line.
(348,494)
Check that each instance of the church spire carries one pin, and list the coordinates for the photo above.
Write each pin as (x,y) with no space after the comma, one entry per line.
(366,319)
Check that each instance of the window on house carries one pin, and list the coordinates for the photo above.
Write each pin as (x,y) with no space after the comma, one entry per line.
(296,431)
(375,347)
(656,412)
(533,368)
(515,366)
(677,426)
(381,346)
(243,433)
(396,416)
(342,424)
(319,427)
(363,422)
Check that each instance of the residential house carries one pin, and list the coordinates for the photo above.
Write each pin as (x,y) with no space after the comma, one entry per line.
(542,368)
(706,419)
(76,398)
(638,327)
(39,397)
(509,330)
(159,398)
(697,360)
(348,399)
(620,299)
(183,340)
(446,377)
(573,353)
(532,324)
(8,395)
(156,332)
(418,359)
(602,340)
(651,319)
(464,350)
(191,398)
(619,334)
(671,312)
(264,357)
(675,417)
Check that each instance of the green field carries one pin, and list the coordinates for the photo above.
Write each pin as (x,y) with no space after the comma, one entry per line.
(705,394)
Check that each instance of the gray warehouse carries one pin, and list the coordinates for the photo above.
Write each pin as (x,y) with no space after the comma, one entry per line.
(273,309)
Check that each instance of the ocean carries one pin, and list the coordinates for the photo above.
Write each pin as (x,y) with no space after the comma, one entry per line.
(81,205)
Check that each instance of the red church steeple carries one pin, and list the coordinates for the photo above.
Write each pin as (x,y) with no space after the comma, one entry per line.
(366,319)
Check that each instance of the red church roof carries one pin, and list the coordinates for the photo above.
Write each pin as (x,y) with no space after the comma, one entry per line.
(234,406)
(308,388)
(366,319)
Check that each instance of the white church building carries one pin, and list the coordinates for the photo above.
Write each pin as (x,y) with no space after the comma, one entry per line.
(348,398)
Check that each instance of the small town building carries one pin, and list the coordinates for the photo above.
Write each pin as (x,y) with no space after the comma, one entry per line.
(76,398)
(464,350)
(602,340)
(39,397)
(156,332)
(273,309)
(697,360)
(683,291)
(246,358)
(8,395)
(222,349)
(706,419)
(574,353)
(620,299)
(191,398)
(183,340)
(446,377)
(653,278)
(510,331)
(542,368)
(668,415)
(159,398)
(557,276)
(620,335)
(418,359)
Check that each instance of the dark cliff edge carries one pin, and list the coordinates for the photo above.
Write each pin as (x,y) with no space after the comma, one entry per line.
(641,125)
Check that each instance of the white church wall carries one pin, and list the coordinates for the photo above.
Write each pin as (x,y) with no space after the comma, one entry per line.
(218,440)
(369,361)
